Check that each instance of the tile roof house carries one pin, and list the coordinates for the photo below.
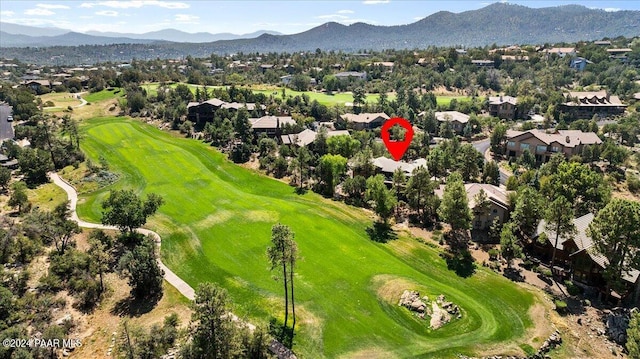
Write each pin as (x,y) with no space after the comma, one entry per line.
(457,119)
(498,199)
(483,63)
(307,137)
(543,145)
(387,167)
(270,125)
(365,120)
(578,253)
(562,51)
(504,107)
(351,75)
(586,104)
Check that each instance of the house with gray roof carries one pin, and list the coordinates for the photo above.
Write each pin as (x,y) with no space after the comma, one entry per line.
(504,107)
(577,254)
(271,125)
(498,203)
(458,120)
(307,137)
(348,75)
(365,121)
(586,104)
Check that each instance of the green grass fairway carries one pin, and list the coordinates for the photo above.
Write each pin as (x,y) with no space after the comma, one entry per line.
(323,98)
(216,225)
(104,95)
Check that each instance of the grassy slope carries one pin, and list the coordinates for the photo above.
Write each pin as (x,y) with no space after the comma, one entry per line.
(216,227)
(104,95)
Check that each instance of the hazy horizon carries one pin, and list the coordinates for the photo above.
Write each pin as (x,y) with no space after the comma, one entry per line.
(241,17)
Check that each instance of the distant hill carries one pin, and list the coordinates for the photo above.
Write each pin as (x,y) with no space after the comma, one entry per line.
(67,39)
(181,36)
(16,29)
(499,23)
(22,36)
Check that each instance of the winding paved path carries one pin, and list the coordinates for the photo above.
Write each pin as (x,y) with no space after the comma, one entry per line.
(183,287)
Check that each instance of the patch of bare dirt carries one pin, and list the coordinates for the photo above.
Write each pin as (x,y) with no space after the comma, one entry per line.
(96,329)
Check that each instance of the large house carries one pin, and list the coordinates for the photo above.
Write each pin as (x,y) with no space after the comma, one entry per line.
(562,51)
(271,125)
(498,203)
(387,167)
(543,145)
(366,121)
(347,75)
(307,137)
(584,105)
(200,112)
(577,254)
(579,63)
(505,107)
(458,120)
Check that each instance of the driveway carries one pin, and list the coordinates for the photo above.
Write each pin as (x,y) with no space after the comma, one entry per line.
(483,147)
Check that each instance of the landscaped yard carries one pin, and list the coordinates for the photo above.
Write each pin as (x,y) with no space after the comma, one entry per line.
(216,226)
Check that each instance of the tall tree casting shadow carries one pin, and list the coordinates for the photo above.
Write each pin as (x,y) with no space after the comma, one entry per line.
(135,307)
(381,232)
(461,262)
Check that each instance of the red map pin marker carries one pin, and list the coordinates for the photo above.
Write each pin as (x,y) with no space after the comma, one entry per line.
(397,148)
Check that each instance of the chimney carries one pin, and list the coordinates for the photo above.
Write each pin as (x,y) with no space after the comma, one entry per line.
(568,139)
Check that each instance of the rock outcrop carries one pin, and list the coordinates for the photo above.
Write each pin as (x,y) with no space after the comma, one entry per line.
(440,310)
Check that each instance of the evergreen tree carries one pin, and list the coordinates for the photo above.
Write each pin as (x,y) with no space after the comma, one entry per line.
(454,208)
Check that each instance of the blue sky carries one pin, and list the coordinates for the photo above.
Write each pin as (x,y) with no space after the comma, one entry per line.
(139,16)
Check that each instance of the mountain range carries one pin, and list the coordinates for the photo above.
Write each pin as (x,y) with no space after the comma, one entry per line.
(14,35)
(498,23)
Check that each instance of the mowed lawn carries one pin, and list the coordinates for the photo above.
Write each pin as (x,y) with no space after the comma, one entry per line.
(216,226)
(105,94)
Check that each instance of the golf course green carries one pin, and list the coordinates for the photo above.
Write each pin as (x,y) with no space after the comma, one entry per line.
(216,225)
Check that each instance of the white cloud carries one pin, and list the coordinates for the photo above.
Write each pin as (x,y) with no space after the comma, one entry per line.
(375,2)
(7,13)
(136,4)
(107,13)
(611,9)
(52,6)
(345,11)
(187,18)
(38,12)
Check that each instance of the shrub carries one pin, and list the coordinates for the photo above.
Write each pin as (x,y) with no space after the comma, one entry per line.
(572,288)
(493,254)
(544,271)
(561,306)
(633,184)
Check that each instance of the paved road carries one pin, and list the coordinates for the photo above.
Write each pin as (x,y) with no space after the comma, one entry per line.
(483,147)
(6,127)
